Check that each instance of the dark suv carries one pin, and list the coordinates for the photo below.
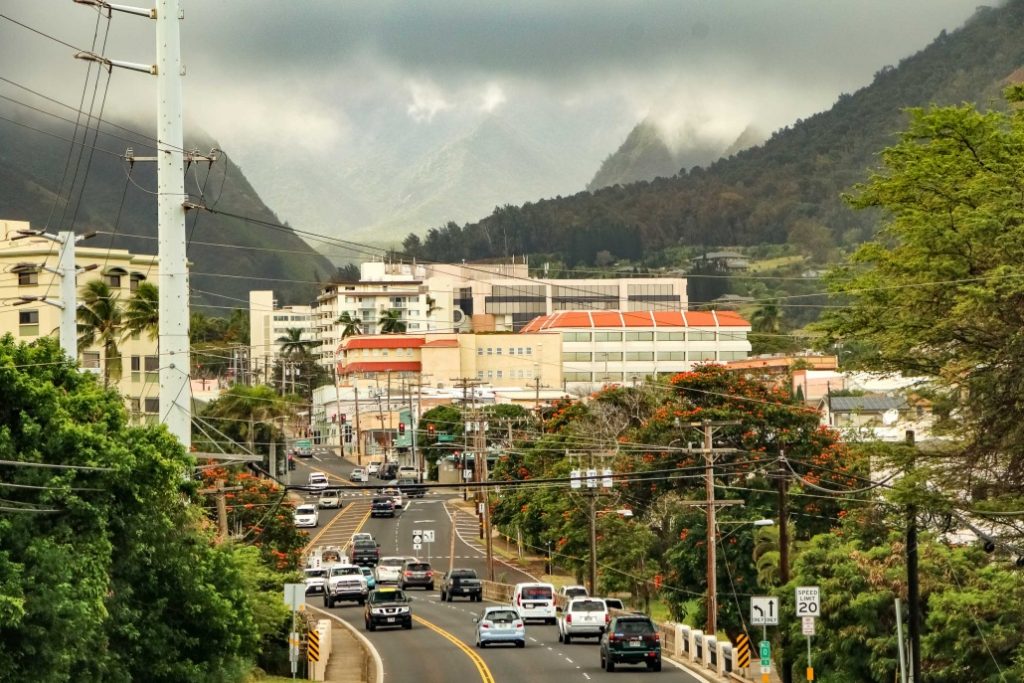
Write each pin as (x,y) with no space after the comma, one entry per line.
(382,507)
(631,640)
(461,582)
(387,607)
(365,553)
(417,574)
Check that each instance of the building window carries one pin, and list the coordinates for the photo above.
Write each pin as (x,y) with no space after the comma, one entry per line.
(575,337)
(152,365)
(607,376)
(479,374)
(702,355)
(519,351)
(640,355)
(499,374)
(133,283)
(607,336)
(576,356)
(636,376)
(497,351)
(603,356)
(732,355)
(28,277)
(480,351)
(28,323)
(529,350)
(90,359)
(136,366)
(152,405)
(135,406)
(639,336)
(577,377)
(113,280)
(671,336)
(671,355)
(490,351)
(732,336)
(490,374)
(529,373)
(701,335)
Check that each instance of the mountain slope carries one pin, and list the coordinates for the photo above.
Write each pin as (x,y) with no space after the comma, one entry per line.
(229,256)
(794,179)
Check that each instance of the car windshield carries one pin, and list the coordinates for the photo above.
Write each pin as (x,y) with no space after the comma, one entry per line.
(587,606)
(536,593)
(328,493)
(387,596)
(364,543)
(502,615)
(417,566)
(366,571)
(305,509)
(463,574)
(382,501)
(345,571)
(634,627)
(314,573)
(613,603)
(392,561)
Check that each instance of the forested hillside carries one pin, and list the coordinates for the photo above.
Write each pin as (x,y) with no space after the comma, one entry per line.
(229,256)
(789,188)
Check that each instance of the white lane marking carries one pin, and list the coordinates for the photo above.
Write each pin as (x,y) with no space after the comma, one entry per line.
(687,669)
(586,676)
(569,660)
(532,639)
(317,458)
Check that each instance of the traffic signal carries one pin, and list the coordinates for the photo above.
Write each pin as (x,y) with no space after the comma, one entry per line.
(430,429)
(341,418)
(401,428)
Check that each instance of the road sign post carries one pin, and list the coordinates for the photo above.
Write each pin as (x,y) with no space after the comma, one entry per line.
(764,610)
(295,598)
(808,608)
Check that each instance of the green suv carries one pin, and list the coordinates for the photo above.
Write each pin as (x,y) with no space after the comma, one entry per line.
(631,640)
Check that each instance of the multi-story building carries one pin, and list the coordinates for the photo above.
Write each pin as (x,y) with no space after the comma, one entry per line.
(475,297)
(614,347)
(135,373)
(440,360)
(269,322)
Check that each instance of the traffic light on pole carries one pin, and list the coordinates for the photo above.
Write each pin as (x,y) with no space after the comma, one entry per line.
(401,428)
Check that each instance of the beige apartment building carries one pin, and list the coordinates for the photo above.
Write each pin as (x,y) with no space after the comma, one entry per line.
(22,274)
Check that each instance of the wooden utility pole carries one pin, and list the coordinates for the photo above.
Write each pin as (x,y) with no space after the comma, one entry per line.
(219,492)
(359,445)
(337,412)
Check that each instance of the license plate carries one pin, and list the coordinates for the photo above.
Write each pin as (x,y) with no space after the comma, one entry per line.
(391,620)
(635,643)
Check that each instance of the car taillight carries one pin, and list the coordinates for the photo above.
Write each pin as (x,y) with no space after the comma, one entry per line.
(568,618)
(485,625)
(518,624)
(430,574)
(615,637)
(519,599)
(408,573)
(607,618)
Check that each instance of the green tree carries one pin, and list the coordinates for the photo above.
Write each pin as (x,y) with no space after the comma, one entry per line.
(292,343)
(768,318)
(938,292)
(245,408)
(351,326)
(391,322)
(100,323)
(142,312)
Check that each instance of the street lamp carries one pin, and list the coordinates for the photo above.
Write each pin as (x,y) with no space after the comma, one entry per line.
(754,522)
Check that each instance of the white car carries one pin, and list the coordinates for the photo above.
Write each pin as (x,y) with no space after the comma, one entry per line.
(395,495)
(306,515)
(315,579)
(318,480)
(389,569)
(407,472)
(582,618)
(359,475)
(373,468)
(329,498)
(570,592)
(361,536)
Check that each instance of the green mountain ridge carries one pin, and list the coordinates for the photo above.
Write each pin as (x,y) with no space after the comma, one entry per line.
(783,189)
(229,256)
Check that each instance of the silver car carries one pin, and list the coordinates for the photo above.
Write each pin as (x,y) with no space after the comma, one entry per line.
(500,625)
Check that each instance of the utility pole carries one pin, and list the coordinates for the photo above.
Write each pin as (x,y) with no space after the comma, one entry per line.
(913,587)
(783,484)
(359,445)
(337,412)
(391,422)
(222,509)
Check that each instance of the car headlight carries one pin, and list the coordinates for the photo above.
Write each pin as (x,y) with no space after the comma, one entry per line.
(377,612)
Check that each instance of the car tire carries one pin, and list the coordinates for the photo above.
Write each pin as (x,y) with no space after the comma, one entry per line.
(362,601)
(560,635)
(609,665)
(656,666)
(370,626)
(520,643)
(407,625)
(567,639)
(328,603)
(479,597)
(430,587)
(443,596)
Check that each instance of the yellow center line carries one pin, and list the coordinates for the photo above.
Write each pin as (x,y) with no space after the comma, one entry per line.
(341,515)
(478,662)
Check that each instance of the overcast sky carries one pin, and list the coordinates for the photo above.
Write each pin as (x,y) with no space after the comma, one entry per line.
(319,73)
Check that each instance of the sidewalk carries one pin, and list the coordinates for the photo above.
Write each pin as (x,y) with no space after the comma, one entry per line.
(349,662)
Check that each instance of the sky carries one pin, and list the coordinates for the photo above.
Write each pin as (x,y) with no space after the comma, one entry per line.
(322,77)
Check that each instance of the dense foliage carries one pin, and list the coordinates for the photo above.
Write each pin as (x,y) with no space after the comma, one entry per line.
(109,574)
(787,189)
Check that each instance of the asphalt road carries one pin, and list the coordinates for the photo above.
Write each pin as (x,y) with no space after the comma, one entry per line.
(440,646)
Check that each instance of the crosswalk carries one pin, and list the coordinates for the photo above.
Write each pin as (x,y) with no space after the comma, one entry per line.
(467,528)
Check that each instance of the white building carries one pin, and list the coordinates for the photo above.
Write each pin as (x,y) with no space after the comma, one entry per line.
(615,347)
(267,323)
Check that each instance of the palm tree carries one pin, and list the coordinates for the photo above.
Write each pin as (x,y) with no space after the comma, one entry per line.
(432,306)
(249,406)
(767,319)
(292,343)
(353,326)
(100,323)
(391,323)
(142,312)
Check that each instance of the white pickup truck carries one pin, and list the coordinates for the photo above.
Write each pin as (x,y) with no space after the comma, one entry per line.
(389,569)
(345,582)
(582,618)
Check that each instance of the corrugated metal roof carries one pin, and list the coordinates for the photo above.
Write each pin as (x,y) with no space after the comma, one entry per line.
(643,319)
(866,404)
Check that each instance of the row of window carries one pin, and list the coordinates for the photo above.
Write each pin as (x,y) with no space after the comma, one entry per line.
(499,374)
(152,405)
(605,376)
(692,335)
(512,351)
(693,355)
(398,353)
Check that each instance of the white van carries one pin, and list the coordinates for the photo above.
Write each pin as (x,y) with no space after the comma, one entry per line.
(535,601)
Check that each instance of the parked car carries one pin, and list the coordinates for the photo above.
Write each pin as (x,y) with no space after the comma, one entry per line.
(387,607)
(382,507)
(315,577)
(582,618)
(500,625)
(329,498)
(359,475)
(389,569)
(306,515)
(631,639)
(345,582)
(569,592)
(535,601)
(417,574)
(318,481)
(373,468)
(461,582)
(365,552)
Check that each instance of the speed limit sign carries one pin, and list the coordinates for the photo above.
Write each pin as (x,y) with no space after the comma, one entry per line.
(808,601)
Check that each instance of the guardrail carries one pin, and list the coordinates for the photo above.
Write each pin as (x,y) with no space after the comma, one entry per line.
(677,640)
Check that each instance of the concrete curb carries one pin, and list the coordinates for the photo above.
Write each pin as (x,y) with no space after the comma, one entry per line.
(368,648)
